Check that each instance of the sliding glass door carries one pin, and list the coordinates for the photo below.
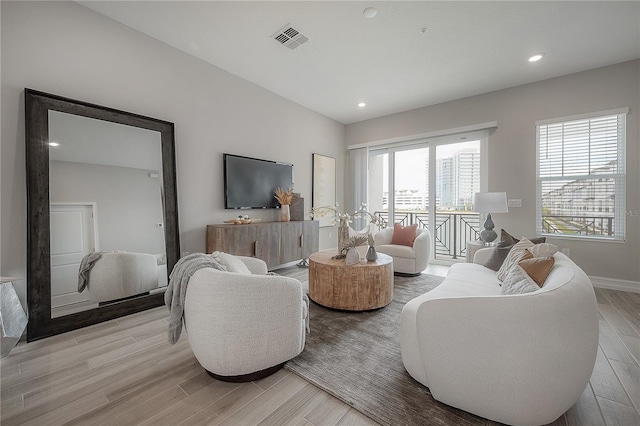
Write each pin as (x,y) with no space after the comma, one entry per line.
(431,184)
(457,179)
(411,189)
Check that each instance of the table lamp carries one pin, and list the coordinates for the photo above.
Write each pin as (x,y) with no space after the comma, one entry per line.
(489,202)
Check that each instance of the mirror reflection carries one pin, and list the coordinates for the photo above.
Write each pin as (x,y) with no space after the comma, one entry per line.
(107,223)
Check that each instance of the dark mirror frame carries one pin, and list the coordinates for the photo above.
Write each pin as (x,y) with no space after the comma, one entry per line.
(37,107)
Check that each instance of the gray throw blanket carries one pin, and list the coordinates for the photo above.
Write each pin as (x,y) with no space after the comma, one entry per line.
(177,288)
(86,264)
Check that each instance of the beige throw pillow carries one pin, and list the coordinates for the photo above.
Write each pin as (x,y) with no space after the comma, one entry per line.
(514,256)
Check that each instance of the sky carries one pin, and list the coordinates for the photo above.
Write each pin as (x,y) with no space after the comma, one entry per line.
(411,165)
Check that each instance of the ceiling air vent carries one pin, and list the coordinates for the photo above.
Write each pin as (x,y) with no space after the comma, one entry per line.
(290,37)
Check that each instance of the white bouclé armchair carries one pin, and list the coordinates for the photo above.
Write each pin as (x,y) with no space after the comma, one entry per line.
(242,327)
(406,260)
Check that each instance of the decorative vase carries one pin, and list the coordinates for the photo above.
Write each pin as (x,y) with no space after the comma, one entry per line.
(372,256)
(353,257)
(343,236)
(285,213)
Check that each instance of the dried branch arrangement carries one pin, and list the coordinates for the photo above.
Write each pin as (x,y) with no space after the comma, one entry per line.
(284,197)
(354,241)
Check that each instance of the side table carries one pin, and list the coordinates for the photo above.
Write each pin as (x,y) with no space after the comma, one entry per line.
(472,248)
(12,316)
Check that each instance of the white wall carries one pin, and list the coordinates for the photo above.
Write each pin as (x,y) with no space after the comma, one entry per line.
(66,49)
(511,156)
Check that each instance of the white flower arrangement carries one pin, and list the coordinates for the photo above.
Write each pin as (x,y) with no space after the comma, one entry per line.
(344,219)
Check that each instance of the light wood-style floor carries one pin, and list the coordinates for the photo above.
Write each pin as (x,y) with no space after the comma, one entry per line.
(123,372)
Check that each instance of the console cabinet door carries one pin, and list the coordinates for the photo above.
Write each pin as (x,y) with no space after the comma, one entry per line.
(310,238)
(267,243)
(234,239)
(291,241)
(299,240)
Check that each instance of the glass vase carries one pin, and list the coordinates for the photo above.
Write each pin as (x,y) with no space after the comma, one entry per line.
(343,236)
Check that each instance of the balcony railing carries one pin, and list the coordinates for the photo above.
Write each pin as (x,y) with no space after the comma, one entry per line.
(578,225)
(452,229)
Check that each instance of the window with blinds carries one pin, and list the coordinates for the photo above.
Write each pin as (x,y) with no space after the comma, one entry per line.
(581,176)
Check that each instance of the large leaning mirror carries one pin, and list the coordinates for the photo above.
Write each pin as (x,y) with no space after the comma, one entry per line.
(102,213)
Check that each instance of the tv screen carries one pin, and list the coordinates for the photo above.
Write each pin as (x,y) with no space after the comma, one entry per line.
(250,183)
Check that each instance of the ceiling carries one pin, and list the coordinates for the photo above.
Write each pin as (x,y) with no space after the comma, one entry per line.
(468,48)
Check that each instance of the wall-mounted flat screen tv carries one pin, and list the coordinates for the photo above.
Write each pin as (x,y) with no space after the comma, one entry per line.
(250,183)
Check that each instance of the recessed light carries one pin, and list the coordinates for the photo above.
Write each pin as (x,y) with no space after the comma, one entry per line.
(536,57)
(370,12)
(54,144)
(362,104)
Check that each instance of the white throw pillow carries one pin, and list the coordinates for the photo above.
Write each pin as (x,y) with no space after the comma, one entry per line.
(518,282)
(543,250)
(231,262)
(514,256)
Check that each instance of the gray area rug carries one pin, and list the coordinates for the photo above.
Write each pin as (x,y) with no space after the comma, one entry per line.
(355,356)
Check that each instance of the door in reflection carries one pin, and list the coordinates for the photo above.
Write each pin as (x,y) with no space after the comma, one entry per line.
(72,238)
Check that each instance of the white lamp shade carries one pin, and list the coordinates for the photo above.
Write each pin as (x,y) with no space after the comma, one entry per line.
(490,202)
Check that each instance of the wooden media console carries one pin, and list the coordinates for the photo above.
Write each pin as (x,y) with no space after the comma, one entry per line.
(276,243)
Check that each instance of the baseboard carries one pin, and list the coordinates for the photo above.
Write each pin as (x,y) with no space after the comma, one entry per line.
(615,284)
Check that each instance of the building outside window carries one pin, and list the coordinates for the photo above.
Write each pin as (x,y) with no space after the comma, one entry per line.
(581,176)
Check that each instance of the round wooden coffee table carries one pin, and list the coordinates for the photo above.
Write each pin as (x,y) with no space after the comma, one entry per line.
(361,287)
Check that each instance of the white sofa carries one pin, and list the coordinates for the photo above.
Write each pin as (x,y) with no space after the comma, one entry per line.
(242,327)
(520,359)
(406,260)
